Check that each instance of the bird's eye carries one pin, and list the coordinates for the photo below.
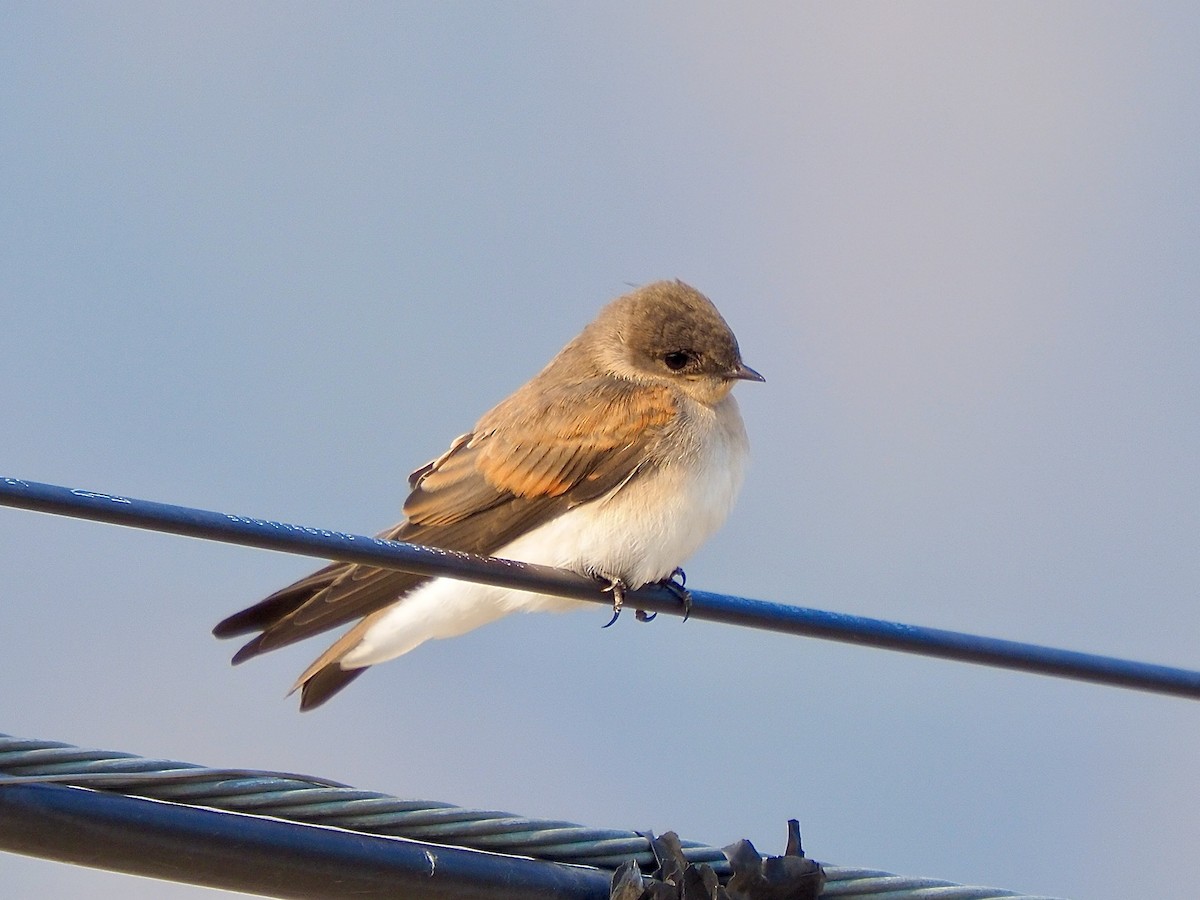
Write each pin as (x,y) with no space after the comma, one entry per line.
(677,359)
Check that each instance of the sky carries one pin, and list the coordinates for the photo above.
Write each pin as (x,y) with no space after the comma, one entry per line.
(268,258)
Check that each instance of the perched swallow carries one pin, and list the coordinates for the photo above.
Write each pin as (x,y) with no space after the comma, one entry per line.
(616,461)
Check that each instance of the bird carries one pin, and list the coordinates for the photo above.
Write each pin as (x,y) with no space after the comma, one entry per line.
(616,461)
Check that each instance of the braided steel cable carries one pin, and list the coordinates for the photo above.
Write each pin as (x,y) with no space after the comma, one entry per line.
(316,801)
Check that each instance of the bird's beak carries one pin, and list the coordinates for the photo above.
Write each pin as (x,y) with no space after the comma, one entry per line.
(744,373)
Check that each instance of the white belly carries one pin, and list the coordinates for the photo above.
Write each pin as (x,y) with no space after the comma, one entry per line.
(640,533)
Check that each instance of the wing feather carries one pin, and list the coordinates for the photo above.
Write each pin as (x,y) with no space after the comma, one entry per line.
(537,454)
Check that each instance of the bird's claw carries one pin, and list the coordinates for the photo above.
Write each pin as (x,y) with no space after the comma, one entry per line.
(617,586)
(674,583)
(677,588)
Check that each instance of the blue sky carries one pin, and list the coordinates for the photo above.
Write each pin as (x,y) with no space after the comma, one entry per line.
(268,258)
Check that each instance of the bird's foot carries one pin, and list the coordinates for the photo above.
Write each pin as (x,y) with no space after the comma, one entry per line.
(617,586)
(675,584)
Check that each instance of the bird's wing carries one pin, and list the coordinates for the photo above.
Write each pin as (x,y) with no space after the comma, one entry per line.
(530,459)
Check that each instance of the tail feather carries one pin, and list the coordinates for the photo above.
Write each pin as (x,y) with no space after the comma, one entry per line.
(324,683)
(252,648)
(257,617)
(281,604)
(303,609)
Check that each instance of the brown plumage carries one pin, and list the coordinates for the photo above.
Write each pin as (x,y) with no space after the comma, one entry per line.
(604,412)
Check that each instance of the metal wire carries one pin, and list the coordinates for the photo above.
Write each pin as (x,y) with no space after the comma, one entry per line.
(314,801)
(796,620)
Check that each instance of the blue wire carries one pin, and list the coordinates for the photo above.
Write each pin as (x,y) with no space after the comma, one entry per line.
(798,620)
